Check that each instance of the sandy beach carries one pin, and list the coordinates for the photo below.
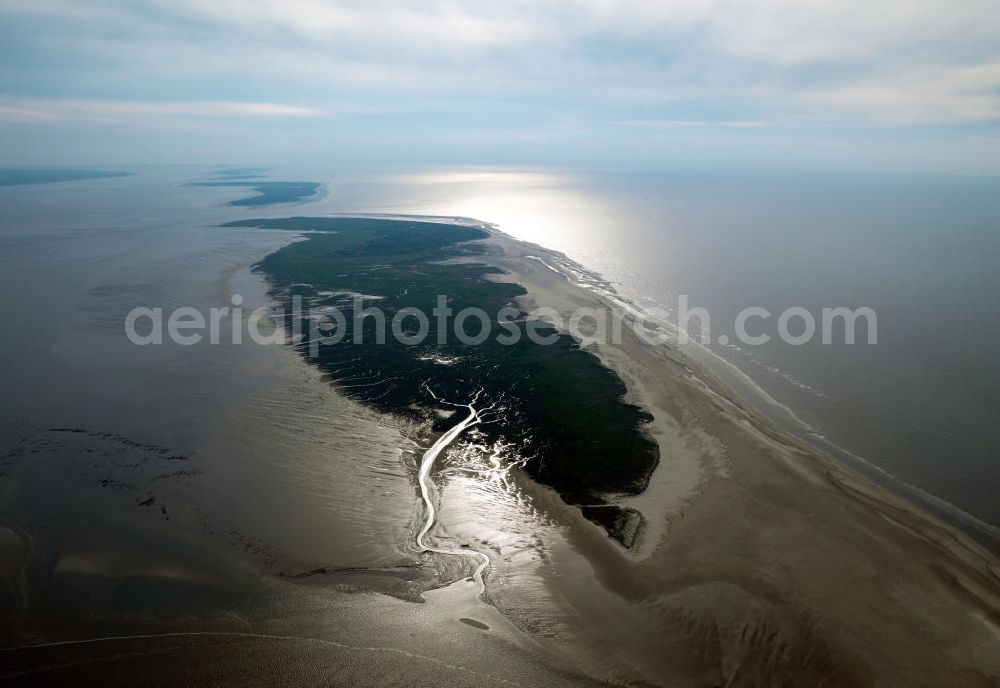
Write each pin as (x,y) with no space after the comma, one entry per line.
(764,561)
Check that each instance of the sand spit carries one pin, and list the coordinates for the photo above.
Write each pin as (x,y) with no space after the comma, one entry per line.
(765,561)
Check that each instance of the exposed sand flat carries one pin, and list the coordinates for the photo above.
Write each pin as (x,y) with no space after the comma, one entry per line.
(765,561)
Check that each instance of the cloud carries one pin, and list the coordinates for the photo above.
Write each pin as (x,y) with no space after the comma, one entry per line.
(788,59)
(532,72)
(696,123)
(22,114)
(118,111)
(927,95)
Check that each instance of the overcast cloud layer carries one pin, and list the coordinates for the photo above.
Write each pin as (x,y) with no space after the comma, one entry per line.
(902,84)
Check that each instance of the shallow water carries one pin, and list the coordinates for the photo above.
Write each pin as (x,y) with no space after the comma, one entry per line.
(176,488)
(268,442)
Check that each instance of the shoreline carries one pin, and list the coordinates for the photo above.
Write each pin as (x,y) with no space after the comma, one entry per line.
(730,476)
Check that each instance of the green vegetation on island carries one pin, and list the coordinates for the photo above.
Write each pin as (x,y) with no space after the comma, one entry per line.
(561,407)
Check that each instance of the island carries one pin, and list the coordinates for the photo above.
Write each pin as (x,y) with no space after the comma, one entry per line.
(19,177)
(268,193)
(556,402)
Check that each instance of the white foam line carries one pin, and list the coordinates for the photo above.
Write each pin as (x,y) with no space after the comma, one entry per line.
(584,279)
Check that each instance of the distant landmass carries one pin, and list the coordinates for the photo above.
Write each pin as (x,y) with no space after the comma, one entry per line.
(269,192)
(18,177)
(240,172)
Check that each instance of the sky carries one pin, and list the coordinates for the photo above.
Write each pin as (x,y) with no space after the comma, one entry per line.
(856,85)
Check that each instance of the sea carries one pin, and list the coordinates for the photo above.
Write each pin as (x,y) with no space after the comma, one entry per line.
(918,407)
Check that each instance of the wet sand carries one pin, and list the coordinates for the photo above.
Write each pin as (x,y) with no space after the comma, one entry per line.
(764,560)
